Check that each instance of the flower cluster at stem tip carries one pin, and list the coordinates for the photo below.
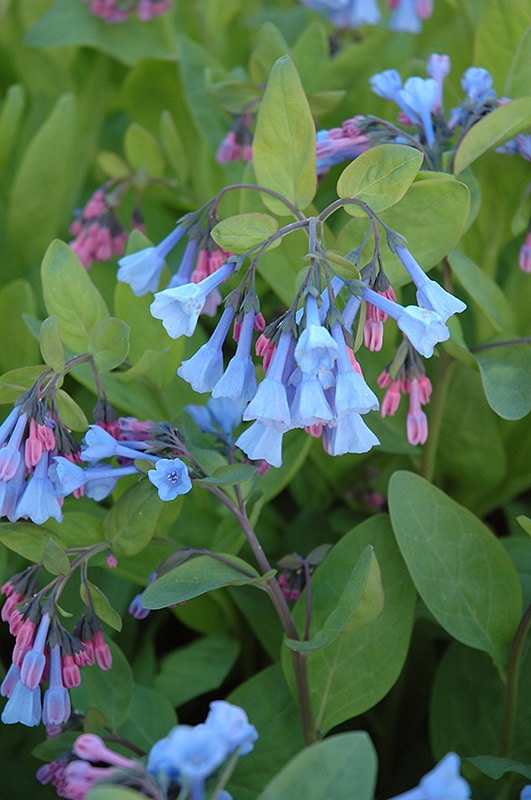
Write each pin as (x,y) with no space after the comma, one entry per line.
(407,14)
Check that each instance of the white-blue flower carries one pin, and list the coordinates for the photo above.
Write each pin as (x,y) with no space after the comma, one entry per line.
(171,478)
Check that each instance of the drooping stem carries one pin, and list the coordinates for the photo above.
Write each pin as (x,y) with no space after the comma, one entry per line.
(427,467)
(299,660)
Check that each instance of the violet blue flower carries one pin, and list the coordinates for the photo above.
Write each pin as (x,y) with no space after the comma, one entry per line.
(316,349)
(171,478)
(310,406)
(350,435)
(270,403)
(142,270)
(24,706)
(262,442)
(477,83)
(443,783)
(56,705)
(98,444)
(408,15)
(430,294)
(204,369)
(35,661)
(179,307)
(230,722)
(98,481)
(238,382)
(38,501)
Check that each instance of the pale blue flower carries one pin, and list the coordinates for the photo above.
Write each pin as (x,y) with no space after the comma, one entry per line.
(196,751)
(238,382)
(262,442)
(98,481)
(35,661)
(406,17)
(204,369)
(310,406)
(11,491)
(352,392)
(443,783)
(429,294)
(38,501)
(179,307)
(477,83)
(526,793)
(98,444)
(56,705)
(171,478)
(24,706)
(350,435)
(316,349)
(10,454)
(419,98)
(231,724)
(142,270)
(387,84)
(270,403)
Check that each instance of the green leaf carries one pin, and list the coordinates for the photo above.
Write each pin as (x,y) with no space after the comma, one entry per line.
(70,295)
(525,523)
(108,691)
(26,539)
(368,661)
(484,291)
(17,303)
(113,166)
(284,140)
(132,521)
(243,231)
(361,601)
(196,669)
(151,717)
(230,475)
(197,576)
(109,343)
(103,792)
(53,144)
(143,151)
(333,768)
(15,382)
(270,46)
(460,569)
(173,146)
(55,559)
(506,375)
(102,607)
(51,345)
(343,266)
(71,414)
(10,119)
(495,767)
(499,126)
(379,177)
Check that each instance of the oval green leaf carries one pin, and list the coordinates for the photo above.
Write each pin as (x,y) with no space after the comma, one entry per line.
(240,233)
(379,177)
(109,343)
(51,345)
(506,376)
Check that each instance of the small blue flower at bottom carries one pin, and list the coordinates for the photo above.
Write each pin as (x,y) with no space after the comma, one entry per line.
(171,478)
(443,783)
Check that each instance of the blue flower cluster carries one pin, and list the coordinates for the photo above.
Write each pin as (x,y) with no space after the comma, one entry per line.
(407,14)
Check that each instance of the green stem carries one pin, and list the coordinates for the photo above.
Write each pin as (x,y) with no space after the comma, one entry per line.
(427,467)
(511,685)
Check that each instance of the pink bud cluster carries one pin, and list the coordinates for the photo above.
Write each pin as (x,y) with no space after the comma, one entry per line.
(419,390)
(115,11)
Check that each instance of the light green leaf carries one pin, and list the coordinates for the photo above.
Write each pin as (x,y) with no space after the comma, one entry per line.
(26,539)
(502,124)
(483,290)
(270,46)
(461,571)
(55,559)
(243,231)
(284,140)
(15,382)
(71,414)
(361,601)
(132,521)
(109,343)
(143,152)
(112,165)
(334,768)
(525,523)
(200,667)
(495,767)
(10,119)
(197,576)
(173,146)
(101,604)
(379,177)
(51,345)
(344,268)
(506,375)
(70,295)
(17,304)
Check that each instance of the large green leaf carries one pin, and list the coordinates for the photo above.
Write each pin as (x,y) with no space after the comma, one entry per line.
(151,717)
(502,124)
(379,177)
(461,571)
(109,343)
(50,343)
(284,141)
(484,291)
(239,233)
(331,769)
(132,521)
(17,299)
(506,375)
(503,45)
(70,295)
(10,119)
(354,672)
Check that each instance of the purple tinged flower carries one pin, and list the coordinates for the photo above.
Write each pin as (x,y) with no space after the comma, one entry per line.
(184,273)
(56,705)
(238,382)
(419,98)
(136,609)
(24,706)
(38,500)
(232,725)
(35,660)
(407,17)
(477,83)
(10,453)
(443,783)
(179,307)
(316,349)
(204,369)
(10,681)
(423,328)
(171,478)
(429,294)
(142,270)
(270,403)
(352,393)
(99,444)
(8,424)
(262,442)
(310,406)
(350,435)
(438,67)
(11,491)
